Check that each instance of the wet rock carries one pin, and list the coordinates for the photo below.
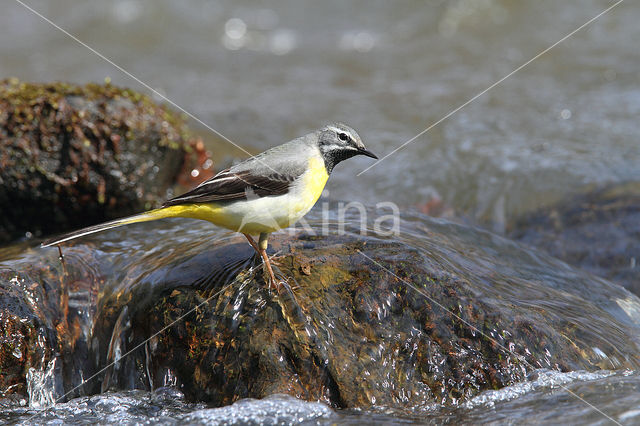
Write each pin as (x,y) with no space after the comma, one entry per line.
(29,310)
(598,231)
(72,156)
(434,315)
(43,341)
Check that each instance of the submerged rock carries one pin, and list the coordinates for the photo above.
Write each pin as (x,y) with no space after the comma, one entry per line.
(598,231)
(72,156)
(44,308)
(435,315)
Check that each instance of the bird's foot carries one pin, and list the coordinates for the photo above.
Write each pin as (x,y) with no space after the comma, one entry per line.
(277,260)
(275,286)
(277,282)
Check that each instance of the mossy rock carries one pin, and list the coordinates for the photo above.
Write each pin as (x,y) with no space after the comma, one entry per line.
(72,156)
(43,344)
(348,333)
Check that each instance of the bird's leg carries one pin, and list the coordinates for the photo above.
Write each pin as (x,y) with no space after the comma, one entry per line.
(252,242)
(262,249)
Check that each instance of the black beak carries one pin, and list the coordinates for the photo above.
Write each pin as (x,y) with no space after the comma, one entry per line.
(363,151)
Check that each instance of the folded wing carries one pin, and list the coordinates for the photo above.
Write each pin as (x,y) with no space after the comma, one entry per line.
(230,186)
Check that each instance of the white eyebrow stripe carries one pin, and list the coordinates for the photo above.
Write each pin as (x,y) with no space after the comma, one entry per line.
(337,130)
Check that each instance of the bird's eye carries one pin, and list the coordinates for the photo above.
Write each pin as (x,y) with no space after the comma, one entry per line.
(343,137)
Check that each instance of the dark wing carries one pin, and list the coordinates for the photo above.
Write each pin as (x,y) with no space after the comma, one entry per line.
(228,186)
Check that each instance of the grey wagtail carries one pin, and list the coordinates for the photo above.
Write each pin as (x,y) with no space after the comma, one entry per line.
(260,195)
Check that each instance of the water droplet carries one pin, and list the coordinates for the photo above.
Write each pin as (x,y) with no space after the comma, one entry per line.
(235,28)
(565,114)
(126,11)
(282,42)
(360,41)
(363,41)
(232,44)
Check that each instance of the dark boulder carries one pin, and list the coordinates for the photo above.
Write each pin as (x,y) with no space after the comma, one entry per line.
(72,156)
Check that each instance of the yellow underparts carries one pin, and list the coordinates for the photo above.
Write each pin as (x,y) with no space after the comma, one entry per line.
(256,215)
(313,182)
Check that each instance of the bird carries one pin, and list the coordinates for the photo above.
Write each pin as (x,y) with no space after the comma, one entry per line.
(260,195)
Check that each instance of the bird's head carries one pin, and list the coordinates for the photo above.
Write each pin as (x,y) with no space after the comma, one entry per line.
(338,142)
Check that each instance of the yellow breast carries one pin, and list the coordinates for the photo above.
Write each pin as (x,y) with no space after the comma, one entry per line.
(266,214)
(312,183)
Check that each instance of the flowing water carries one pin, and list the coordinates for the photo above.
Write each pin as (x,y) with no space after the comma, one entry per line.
(265,74)
(538,401)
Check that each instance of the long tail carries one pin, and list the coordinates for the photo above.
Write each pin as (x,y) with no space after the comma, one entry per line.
(142,217)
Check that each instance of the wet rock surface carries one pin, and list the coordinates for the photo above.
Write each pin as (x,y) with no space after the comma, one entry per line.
(365,321)
(598,231)
(72,156)
(43,340)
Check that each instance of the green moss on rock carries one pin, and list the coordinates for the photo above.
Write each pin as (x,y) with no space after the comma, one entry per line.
(72,156)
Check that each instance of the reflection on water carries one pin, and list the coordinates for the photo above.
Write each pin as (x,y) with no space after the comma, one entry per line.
(264,74)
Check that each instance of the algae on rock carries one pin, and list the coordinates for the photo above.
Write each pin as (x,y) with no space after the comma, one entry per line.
(72,156)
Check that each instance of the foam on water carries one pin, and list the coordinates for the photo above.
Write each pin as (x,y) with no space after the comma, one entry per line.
(543,398)
(273,410)
(540,380)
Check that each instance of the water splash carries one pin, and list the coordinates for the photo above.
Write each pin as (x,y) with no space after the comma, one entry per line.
(44,386)
(115,350)
(540,379)
(273,410)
